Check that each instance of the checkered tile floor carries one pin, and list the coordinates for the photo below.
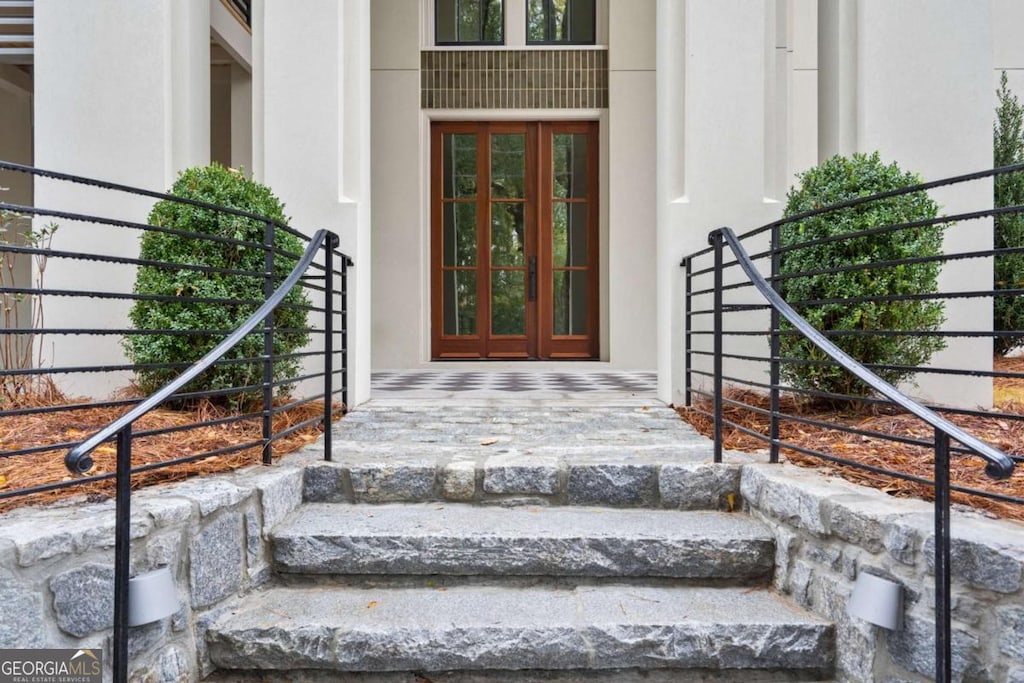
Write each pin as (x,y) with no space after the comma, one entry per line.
(512,383)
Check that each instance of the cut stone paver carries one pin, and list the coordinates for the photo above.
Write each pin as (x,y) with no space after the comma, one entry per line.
(600,452)
(494,627)
(554,541)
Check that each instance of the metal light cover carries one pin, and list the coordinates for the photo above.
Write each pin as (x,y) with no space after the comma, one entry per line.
(151,597)
(877,600)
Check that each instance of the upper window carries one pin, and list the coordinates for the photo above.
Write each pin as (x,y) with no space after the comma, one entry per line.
(565,22)
(469,22)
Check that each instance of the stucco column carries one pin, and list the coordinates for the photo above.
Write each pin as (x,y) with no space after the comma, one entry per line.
(712,145)
(925,100)
(311,128)
(121,93)
(837,78)
(632,186)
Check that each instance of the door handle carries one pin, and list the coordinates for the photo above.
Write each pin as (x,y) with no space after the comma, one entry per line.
(532,275)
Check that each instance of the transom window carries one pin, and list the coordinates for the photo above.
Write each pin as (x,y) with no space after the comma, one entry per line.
(469,22)
(565,22)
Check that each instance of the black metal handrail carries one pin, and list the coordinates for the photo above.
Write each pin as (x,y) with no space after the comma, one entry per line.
(947,437)
(998,464)
(79,459)
(303,267)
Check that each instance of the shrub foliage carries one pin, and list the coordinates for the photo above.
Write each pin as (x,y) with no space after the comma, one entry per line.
(836,180)
(1008,148)
(221,186)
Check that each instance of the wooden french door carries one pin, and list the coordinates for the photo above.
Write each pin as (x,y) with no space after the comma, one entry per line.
(514,240)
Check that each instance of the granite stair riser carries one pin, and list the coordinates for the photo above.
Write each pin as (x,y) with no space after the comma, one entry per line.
(649,480)
(497,628)
(530,543)
(466,540)
(519,557)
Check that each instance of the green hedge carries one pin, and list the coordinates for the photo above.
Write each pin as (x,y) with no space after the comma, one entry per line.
(835,180)
(221,186)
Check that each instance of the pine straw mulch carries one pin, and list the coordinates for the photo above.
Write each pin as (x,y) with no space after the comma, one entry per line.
(1007,434)
(74,425)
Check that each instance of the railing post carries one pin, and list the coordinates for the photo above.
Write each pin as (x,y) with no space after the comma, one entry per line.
(687,339)
(329,246)
(344,332)
(943,626)
(122,552)
(774,351)
(716,242)
(268,344)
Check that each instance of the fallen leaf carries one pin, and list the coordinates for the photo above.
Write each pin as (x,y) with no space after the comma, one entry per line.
(373,603)
(730,502)
(488,442)
(3,481)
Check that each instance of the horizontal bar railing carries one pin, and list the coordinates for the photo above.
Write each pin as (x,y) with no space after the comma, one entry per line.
(742,304)
(317,266)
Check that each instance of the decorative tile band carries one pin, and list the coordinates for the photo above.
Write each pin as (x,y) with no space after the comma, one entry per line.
(514,79)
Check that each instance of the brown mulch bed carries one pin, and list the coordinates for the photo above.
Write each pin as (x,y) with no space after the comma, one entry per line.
(1007,434)
(27,471)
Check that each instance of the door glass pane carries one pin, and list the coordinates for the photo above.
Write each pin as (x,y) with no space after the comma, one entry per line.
(569,156)
(459,302)
(507,234)
(508,166)
(569,234)
(459,234)
(508,302)
(459,166)
(570,302)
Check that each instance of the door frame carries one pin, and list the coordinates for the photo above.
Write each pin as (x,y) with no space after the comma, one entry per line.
(540,343)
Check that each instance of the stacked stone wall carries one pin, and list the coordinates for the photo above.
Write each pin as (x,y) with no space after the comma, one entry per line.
(827,530)
(57,565)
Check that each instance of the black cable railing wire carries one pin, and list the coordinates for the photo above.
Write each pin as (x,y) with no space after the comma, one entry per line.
(98,293)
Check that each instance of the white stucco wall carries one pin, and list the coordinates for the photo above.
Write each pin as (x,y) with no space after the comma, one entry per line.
(924,99)
(129,106)
(631,186)
(909,79)
(311,130)
(399,146)
(714,146)
(1007,46)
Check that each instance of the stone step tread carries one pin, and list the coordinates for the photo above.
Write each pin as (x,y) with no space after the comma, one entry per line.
(461,539)
(505,628)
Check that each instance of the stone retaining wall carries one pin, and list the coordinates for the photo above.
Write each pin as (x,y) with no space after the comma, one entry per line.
(828,529)
(57,565)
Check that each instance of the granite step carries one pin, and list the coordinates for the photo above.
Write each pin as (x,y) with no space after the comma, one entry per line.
(466,540)
(498,628)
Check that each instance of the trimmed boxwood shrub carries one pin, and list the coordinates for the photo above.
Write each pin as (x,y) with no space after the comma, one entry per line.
(1008,148)
(836,180)
(224,187)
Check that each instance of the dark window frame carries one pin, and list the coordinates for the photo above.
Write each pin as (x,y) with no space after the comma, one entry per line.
(480,28)
(548,27)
